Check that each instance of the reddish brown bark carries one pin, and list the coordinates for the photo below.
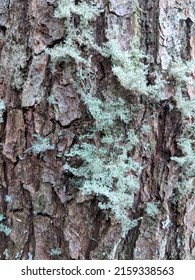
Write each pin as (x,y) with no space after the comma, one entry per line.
(44,212)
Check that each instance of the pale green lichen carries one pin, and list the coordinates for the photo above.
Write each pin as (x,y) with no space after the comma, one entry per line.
(41,145)
(107,170)
(3,228)
(2,110)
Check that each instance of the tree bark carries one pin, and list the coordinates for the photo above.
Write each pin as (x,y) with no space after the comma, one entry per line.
(41,209)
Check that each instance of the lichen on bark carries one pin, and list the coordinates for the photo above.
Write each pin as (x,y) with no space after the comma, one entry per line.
(45,212)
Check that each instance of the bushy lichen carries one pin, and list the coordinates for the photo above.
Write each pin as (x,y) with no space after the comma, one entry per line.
(107,167)
(3,227)
(2,110)
(41,145)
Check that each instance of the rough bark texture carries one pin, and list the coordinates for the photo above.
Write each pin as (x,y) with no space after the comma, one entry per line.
(44,212)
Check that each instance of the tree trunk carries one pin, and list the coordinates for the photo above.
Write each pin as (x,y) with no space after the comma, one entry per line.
(47,217)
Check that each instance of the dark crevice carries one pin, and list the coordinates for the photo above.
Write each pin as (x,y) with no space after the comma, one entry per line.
(3,29)
(94,233)
(44,215)
(113,13)
(18,210)
(149,26)
(129,244)
(186,26)
(56,42)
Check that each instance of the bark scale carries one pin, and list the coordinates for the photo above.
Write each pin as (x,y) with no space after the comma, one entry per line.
(44,212)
